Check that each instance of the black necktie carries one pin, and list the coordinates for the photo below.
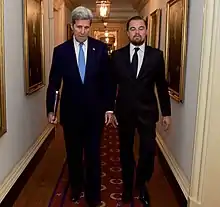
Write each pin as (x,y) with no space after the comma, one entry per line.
(134,62)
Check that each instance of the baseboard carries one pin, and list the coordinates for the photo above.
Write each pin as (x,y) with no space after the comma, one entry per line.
(173,172)
(16,180)
(193,203)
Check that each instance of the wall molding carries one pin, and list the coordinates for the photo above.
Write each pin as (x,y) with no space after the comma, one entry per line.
(193,203)
(139,4)
(117,14)
(206,104)
(50,7)
(19,168)
(57,4)
(71,4)
(112,20)
(174,166)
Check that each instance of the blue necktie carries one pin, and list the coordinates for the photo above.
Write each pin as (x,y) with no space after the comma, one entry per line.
(81,62)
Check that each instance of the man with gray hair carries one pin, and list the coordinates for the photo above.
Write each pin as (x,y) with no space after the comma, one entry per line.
(82,64)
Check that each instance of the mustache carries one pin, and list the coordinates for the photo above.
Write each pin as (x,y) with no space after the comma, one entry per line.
(137,35)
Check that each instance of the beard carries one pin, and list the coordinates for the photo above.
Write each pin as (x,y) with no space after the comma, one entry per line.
(137,41)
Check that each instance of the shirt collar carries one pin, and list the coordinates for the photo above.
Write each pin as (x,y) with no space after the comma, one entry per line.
(77,43)
(142,47)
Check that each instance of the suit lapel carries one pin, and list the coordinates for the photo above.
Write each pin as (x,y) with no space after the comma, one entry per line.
(142,69)
(91,50)
(127,61)
(73,59)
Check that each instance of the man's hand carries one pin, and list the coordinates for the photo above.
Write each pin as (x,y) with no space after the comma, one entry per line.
(110,119)
(52,118)
(166,122)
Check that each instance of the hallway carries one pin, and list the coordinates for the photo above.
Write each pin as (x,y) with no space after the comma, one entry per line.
(186,31)
(48,186)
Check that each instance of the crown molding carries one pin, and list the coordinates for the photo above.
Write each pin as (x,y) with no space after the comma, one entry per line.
(117,14)
(138,5)
(112,20)
(57,4)
(71,4)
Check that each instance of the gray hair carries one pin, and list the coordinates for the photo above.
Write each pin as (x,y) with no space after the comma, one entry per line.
(81,13)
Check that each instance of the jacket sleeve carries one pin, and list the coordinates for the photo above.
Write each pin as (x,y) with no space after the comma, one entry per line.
(114,81)
(162,88)
(108,81)
(55,78)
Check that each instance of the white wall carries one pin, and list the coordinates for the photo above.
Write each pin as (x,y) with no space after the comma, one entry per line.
(205,188)
(62,16)
(180,138)
(68,15)
(26,117)
(66,21)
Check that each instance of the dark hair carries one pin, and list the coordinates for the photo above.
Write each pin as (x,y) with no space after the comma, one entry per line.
(135,18)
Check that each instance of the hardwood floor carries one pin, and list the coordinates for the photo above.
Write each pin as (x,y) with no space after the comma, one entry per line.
(40,186)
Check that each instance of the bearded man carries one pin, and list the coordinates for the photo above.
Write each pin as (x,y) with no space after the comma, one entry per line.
(136,69)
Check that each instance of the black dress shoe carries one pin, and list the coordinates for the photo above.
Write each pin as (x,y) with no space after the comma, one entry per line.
(92,200)
(75,197)
(127,197)
(94,203)
(144,197)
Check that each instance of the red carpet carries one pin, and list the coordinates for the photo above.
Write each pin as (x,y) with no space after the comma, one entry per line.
(111,177)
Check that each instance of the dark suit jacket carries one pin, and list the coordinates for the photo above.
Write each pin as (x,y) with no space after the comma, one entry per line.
(136,96)
(91,98)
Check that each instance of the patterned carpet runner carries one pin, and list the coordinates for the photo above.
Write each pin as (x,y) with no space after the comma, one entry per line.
(111,177)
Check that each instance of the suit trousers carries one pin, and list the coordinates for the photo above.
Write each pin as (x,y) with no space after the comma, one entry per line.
(82,139)
(147,148)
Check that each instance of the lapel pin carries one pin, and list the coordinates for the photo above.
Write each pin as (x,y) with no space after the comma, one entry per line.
(93,48)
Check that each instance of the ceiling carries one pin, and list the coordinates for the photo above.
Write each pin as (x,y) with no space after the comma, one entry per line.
(115,3)
(120,9)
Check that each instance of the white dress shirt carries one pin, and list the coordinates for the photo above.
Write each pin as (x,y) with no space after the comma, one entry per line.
(140,58)
(77,45)
(140,55)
